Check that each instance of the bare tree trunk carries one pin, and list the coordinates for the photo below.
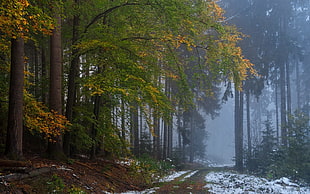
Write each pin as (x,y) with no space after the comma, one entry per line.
(192,128)
(170,122)
(36,73)
(73,73)
(239,130)
(97,100)
(277,112)
(248,115)
(298,85)
(165,140)
(14,140)
(156,137)
(134,129)
(179,128)
(283,105)
(44,81)
(170,137)
(123,125)
(288,89)
(55,149)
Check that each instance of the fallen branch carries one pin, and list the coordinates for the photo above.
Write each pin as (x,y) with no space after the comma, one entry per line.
(32,173)
(85,165)
(14,163)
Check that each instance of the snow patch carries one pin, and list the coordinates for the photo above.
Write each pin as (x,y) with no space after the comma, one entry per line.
(173,176)
(228,183)
(165,179)
(189,175)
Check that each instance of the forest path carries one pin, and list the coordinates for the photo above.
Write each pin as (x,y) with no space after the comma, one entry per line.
(191,182)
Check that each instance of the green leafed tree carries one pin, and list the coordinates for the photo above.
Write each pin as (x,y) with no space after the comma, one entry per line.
(18,21)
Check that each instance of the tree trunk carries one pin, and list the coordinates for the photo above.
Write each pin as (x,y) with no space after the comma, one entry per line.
(134,129)
(97,100)
(283,105)
(248,116)
(36,73)
(170,136)
(170,123)
(44,92)
(73,73)
(239,130)
(14,140)
(277,112)
(192,131)
(298,85)
(55,149)
(288,90)
(156,137)
(179,127)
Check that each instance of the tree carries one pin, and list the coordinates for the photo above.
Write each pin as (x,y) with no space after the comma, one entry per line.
(14,142)
(55,147)
(17,21)
(263,156)
(72,76)
(238,130)
(137,45)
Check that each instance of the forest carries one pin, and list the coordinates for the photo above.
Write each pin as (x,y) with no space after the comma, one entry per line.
(138,79)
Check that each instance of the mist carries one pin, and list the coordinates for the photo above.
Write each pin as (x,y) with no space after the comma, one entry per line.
(277,42)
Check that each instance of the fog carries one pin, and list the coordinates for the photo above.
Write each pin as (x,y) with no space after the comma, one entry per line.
(220,143)
(277,42)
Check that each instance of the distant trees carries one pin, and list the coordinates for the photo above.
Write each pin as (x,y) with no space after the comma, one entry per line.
(274,161)
(276,46)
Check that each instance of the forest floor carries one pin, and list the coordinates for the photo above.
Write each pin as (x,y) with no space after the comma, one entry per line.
(39,175)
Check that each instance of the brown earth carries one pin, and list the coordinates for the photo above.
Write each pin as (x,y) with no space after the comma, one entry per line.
(195,184)
(39,175)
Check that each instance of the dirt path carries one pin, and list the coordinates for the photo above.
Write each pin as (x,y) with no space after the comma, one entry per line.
(194,184)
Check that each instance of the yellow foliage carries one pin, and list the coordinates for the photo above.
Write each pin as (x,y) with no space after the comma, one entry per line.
(17,21)
(37,118)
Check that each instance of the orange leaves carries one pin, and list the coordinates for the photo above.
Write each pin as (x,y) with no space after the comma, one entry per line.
(178,40)
(225,57)
(19,17)
(48,123)
(215,10)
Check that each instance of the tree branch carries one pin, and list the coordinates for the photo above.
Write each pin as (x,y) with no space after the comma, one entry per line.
(106,12)
(139,38)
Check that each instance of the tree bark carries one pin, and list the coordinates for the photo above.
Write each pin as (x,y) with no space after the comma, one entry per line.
(298,85)
(239,130)
(156,137)
(73,73)
(277,111)
(288,89)
(192,131)
(55,148)
(283,105)
(97,101)
(44,92)
(248,116)
(134,129)
(14,140)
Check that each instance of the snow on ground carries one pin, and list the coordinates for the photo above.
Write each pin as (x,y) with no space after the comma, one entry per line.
(220,165)
(173,176)
(168,178)
(189,175)
(231,183)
